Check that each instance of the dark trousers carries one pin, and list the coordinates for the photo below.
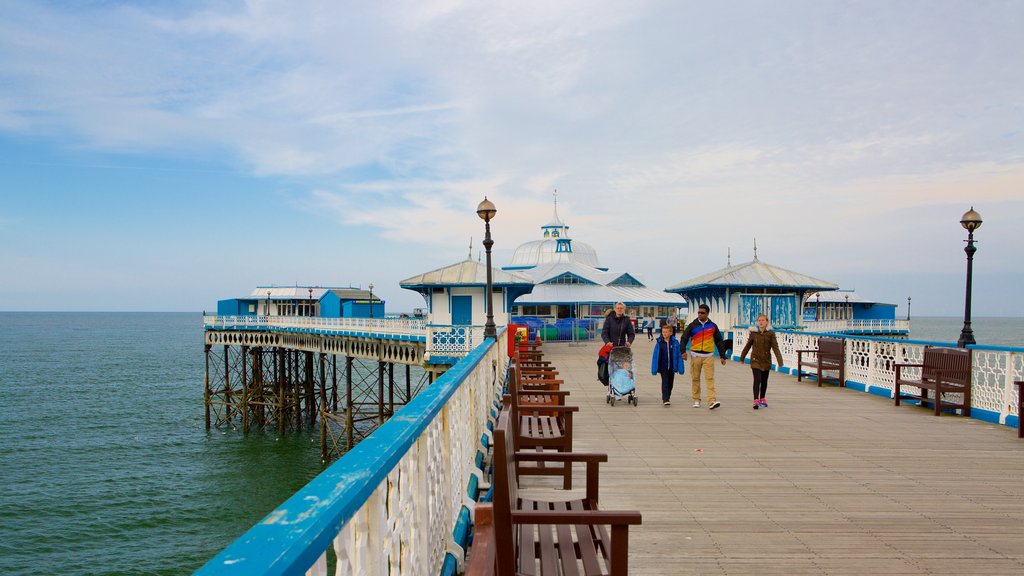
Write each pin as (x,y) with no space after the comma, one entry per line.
(760,382)
(666,385)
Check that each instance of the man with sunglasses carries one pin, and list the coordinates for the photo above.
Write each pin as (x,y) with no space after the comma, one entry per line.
(705,339)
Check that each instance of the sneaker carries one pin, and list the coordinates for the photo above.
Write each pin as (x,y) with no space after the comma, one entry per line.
(714,405)
(756,404)
(696,404)
(666,403)
(763,402)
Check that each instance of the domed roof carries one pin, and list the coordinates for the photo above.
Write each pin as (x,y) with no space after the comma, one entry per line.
(556,247)
(539,252)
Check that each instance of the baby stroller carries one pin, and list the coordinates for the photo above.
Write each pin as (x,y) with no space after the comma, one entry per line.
(620,374)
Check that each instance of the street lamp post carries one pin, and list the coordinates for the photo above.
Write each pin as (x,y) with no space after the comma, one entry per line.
(268,302)
(486,211)
(311,306)
(371,300)
(908,308)
(847,311)
(817,304)
(971,221)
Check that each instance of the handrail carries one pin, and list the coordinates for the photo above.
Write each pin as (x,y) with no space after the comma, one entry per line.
(391,500)
(870,366)
(851,325)
(376,326)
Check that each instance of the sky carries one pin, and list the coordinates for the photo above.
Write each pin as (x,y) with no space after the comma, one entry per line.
(165,155)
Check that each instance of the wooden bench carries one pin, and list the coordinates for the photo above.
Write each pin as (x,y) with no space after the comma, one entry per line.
(542,427)
(534,536)
(943,370)
(482,552)
(1020,408)
(830,356)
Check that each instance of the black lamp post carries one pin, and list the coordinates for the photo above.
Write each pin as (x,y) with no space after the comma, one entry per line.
(908,308)
(311,305)
(486,211)
(817,304)
(371,300)
(971,221)
(268,302)
(846,312)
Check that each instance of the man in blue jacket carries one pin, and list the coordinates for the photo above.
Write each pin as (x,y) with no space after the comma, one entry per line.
(667,360)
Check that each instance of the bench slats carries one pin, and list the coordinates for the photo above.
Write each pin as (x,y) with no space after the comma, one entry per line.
(942,370)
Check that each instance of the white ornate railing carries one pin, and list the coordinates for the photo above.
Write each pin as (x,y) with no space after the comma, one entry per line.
(445,341)
(390,504)
(870,366)
(863,326)
(377,326)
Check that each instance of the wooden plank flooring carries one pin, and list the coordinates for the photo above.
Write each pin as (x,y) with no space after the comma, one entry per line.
(823,481)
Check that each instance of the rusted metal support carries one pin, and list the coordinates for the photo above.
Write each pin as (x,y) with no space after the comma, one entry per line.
(245,389)
(349,424)
(206,384)
(391,389)
(227,385)
(380,392)
(279,372)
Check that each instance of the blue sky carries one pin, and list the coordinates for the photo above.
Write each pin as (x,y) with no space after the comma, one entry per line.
(163,155)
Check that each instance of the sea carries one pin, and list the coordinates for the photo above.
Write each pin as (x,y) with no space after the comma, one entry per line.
(105,463)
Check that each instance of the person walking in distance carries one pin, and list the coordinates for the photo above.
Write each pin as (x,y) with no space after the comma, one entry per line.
(618,328)
(667,360)
(761,343)
(705,339)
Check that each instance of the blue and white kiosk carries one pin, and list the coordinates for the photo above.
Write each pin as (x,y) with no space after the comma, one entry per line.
(737,294)
(457,306)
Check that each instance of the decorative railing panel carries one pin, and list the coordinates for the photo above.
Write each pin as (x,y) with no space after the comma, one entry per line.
(446,341)
(381,327)
(871,362)
(390,504)
(875,326)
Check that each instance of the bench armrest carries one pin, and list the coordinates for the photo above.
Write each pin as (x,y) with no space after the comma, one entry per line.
(561,456)
(542,392)
(590,517)
(560,409)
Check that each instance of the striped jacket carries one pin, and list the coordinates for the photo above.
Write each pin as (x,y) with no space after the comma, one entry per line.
(704,338)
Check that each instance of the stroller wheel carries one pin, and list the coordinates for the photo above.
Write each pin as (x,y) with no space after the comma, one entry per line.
(633,399)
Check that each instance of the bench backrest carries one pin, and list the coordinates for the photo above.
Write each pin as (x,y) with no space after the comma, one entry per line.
(954,364)
(506,492)
(831,346)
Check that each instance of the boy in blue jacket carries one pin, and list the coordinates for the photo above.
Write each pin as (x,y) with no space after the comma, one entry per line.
(667,360)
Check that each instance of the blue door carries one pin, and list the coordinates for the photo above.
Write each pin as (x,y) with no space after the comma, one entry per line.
(462,310)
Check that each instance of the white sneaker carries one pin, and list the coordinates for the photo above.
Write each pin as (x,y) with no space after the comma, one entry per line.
(696,404)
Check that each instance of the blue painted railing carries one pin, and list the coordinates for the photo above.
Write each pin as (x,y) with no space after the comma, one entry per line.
(391,504)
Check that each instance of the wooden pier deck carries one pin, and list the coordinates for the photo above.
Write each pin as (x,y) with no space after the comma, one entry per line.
(823,481)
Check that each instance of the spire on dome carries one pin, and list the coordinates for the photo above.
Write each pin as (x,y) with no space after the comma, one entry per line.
(555,228)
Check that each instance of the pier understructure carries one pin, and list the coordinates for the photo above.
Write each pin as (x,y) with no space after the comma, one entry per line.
(261,380)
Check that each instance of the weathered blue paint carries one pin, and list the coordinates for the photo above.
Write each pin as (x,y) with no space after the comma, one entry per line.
(291,538)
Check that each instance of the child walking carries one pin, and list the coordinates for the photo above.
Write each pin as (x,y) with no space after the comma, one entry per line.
(761,343)
(667,360)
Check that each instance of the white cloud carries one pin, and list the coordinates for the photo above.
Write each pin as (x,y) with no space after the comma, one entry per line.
(801,123)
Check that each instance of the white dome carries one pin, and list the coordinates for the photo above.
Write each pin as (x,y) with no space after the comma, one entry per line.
(540,252)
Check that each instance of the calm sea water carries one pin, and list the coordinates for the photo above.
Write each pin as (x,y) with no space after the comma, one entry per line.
(105,465)
(987,330)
